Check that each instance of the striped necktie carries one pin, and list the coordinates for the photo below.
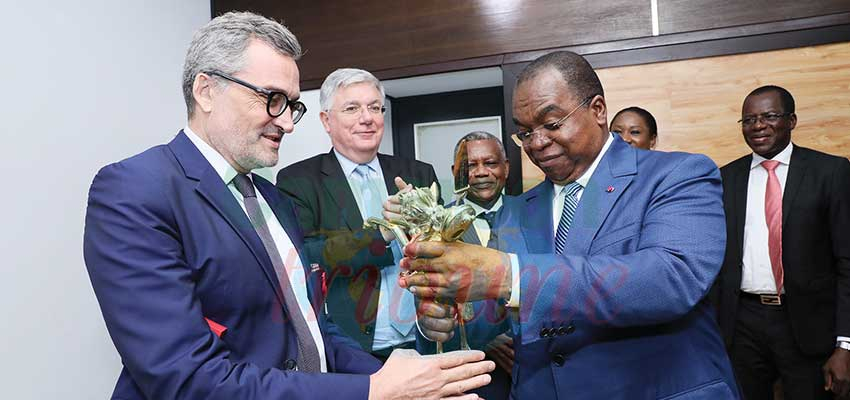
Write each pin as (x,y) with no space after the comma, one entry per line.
(570,204)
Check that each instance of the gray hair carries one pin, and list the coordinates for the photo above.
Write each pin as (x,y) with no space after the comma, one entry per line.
(220,46)
(480,135)
(344,77)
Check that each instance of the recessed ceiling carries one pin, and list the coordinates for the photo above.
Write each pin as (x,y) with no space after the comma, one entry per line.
(445,82)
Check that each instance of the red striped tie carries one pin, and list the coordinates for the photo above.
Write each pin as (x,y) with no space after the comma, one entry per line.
(773,216)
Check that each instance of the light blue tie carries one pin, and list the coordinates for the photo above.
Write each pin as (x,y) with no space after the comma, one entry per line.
(570,204)
(369,192)
(401,319)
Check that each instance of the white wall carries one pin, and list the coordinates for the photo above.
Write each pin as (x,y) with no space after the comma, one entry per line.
(84,83)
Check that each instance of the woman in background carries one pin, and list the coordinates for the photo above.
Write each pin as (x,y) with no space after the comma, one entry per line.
(636,126)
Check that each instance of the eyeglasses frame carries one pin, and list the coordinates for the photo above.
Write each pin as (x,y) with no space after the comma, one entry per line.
(551,126)
(293,105)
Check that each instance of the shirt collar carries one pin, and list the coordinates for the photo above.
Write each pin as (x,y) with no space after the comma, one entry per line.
(478,209)
(216,160)
(585,177)
(784,157)
(348,166)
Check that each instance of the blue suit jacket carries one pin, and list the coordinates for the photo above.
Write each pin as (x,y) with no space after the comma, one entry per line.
(621,314)
(167,246)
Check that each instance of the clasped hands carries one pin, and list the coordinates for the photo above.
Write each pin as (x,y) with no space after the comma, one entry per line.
(448,272)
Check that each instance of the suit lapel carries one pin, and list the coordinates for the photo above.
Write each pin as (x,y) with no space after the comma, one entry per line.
(536,219)
(215,192)
(612,177)
(390,171)
(470,235)
(796,172)
(336,184)
(740,183)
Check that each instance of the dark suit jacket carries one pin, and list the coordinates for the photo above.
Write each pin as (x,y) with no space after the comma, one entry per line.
(622,314)
(167,245)
(351,256)
(815,247)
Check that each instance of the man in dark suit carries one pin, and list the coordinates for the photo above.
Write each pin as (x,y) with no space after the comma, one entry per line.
(608,302)
(783,295)
(486,168)
(335,192)
(198,265)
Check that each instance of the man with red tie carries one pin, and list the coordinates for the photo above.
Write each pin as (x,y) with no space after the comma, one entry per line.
(783,294)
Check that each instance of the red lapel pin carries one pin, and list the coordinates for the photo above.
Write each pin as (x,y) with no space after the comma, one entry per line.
(610,189)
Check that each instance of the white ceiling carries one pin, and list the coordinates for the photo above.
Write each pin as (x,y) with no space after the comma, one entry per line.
(445,82)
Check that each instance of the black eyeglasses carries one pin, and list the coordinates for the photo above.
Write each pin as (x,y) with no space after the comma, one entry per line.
(276,102)
(768,118)
(523,137)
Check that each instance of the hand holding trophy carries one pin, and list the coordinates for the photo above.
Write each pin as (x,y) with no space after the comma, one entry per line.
(418,216)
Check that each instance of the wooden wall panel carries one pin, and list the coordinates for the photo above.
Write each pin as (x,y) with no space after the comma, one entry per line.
(675,16)
(697,102)
(381,35)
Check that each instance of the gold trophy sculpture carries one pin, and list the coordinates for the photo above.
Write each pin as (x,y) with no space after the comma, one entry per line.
(424,219)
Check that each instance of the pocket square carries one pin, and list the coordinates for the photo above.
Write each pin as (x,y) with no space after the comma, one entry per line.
(215,327)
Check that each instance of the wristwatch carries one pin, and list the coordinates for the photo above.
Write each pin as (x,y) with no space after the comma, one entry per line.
(843,345)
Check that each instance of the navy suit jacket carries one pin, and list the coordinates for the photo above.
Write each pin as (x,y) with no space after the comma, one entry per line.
(171,253)
(622,313)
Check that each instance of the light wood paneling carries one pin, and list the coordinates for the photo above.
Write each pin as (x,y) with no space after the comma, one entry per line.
(697,102)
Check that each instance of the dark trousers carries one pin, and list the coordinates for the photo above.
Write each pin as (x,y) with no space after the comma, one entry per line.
(384,353)
(764,349)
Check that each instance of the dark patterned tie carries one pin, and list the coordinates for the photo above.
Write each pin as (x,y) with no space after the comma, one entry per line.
(570,205)
(490,216)
(308,353)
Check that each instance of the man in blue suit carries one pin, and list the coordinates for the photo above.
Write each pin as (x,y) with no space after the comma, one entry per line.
(197,264)
(606,263)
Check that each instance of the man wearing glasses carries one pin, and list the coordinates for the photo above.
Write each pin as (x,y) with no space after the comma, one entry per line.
(198,264)
(335,192)
(783,295)
(608,301)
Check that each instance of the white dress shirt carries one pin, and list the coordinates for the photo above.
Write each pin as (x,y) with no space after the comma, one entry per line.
(757,274)
(294,269)
(557,209)
(482,228)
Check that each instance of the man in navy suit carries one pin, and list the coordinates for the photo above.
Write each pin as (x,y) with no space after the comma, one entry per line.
(197,264)
(608,301)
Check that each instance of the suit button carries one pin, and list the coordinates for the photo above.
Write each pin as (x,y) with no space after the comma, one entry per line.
(367,330)
(544,332)
(571,329)
(562,331)
(558,359)
(290,364)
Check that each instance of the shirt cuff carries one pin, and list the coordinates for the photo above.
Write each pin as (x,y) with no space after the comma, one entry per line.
(513,302)
(844,339)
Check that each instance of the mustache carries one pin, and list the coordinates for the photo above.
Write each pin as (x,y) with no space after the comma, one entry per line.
(273,131)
